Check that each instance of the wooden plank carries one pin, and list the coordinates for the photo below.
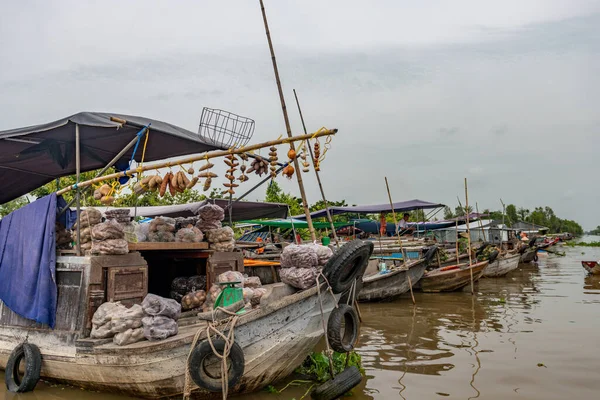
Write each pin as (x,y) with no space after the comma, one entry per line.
(151,246)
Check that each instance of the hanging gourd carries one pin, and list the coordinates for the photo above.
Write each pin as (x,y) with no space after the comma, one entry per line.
(231,161)
(317,153)
(292,154)
(208,175)
(305,164)
(273,161)
(243,177)
(288,171)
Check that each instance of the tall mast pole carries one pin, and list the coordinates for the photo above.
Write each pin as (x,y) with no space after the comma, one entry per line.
(287,126)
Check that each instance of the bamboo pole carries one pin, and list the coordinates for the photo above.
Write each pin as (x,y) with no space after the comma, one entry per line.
(312,156)
(469,235)
(78,195)
(198,157)
(457,248)
(311,228)
(400,241)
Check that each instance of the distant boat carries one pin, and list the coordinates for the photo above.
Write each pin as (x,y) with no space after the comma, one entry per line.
(454,277)
(591,266)
(502,266)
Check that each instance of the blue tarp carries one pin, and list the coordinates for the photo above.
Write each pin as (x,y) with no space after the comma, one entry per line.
(28,261)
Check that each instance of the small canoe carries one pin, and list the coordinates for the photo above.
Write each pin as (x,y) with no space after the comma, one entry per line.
(451,278)
(529,255)
(502,266)
(388,286)
(591,266)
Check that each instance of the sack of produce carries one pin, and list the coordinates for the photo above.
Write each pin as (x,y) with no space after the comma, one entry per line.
(231,276)
(110,247)
(161,236)
(324,253)
(223,246)
(205,226)
(129,336)
(159,306)
(181,222)
(211,212)
(258,294)
(299,256)
(108,230)
(89,217)
(248,295)
(159,327)
(130,318)
(120,215)
(189,235)
(162,224)
(252,282)
(211,297)
(300,278)
(193,300)
(179,288)
(106,312)
(196,282)
(224,234)
(102,331)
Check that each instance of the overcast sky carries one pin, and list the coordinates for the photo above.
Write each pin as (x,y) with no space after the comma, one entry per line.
(426,93)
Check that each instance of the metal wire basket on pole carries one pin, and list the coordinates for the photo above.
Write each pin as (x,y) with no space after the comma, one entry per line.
(226,128)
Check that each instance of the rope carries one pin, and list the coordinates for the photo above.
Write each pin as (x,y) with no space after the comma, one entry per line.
(328,351)
(211,329)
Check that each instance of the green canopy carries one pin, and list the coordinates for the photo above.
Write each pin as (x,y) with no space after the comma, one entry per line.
(287,223)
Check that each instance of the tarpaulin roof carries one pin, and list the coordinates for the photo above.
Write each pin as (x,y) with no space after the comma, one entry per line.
(33,156)
(296,223)
(242,210)
(402,206)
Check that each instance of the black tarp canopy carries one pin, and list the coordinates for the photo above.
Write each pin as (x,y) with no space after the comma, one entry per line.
(240,211)
(401,206)
(33,156)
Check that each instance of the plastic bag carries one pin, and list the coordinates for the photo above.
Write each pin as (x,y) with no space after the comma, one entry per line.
(258,294)
(299,256)
(179,288)
(120,215)
(129,336)
(189,235)
(211,212)
(324,253)
(231,276)
(108,230)
(223,246)
(89,217)
(111,246)
(248,294)
(224,234)
(159,306)
(159,327)
(193,300)
(129,318)
(161,236)
(162,224)
(205,226)
(111,318)
(252,282)
(301,278)
(182,222)
(196,282)
(106,311)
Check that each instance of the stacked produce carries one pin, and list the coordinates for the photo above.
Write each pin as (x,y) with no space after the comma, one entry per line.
(115,320)
(161,320)
(161,229)
(299,265)
(193,300)
(210,217)
(232,163)
(88,218)
(181,222)
(108,238)
(181,286)
(189,235)
(63,236)
(251,288)
(121,215)
(221,239)
(103,193)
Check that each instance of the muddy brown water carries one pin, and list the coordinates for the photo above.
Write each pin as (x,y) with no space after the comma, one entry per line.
(533,334)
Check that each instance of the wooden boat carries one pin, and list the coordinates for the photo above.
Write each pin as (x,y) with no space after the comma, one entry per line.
(387,286)
(448,279)
(275,338)
(502,265)
(529,255)
(591,266)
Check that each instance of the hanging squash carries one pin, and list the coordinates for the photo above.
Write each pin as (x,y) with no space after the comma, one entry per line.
(292,154)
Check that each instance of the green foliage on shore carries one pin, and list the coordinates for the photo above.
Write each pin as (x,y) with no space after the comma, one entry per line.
(582,244)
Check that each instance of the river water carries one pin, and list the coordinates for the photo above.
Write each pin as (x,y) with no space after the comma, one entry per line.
(530,335)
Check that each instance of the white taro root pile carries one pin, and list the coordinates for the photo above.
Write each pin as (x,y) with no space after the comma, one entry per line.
(221,239)
(108,238)
(161,320)
(299,264)
(115,320)
(210,217)
(88,218)
(162,229)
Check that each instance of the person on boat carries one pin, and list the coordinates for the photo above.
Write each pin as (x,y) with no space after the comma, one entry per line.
(382,224)
(403,226)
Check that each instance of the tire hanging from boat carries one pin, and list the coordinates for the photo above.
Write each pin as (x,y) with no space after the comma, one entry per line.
(493,256)
(430,253)
(33,360)
(197,368)
(335,388)
(347,264)
(342,328)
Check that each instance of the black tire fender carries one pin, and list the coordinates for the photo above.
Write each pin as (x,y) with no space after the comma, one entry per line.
(430,254)
(342,328)
(532,242)
(204,352)
(33,360)
(335,388)
(348,264)
(493,256)
(535,258)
